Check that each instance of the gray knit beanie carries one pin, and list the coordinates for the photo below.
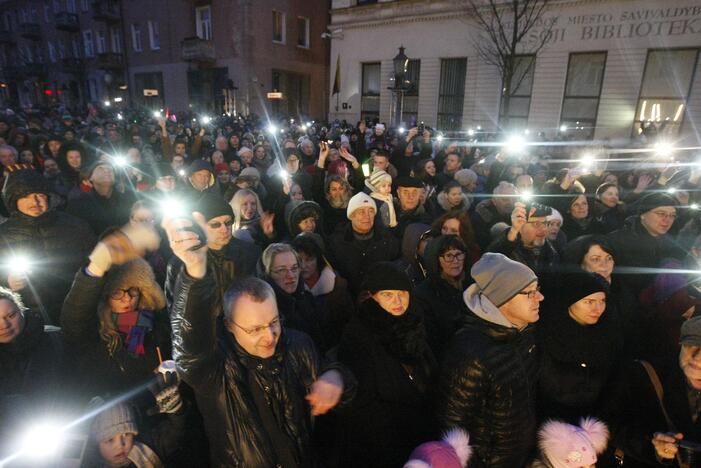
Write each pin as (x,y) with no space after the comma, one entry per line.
(117,419)
(500,278)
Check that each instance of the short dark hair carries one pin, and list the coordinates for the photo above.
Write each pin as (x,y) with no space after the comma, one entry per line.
(306,243)
(255,288)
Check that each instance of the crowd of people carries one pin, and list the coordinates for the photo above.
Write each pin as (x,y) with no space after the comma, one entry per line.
(234,292)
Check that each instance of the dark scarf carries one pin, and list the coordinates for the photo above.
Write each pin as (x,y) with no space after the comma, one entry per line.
(404,336)
(596,344)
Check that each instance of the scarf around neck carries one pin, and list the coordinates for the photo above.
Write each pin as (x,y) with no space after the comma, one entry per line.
(403,336)
(390,206)
(134,325)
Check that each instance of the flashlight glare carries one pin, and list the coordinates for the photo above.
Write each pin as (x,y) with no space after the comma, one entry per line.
(563,128)
(107,103)
(304,127)
(284,174)
(206,119)
(156,114)
(526,195)
(439,138)
(181,172)
(664,149)
(672,190)
(586,161)
(272,128)
(20,264)
(119,117)
(120,161)
(366,169)
(694,206)
(471,132)
(401,130)
(515,144)
(172,207)
(42,440)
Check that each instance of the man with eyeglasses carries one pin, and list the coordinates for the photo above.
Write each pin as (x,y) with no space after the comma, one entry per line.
(251,375)
(488,381)
(229,258)
(526,240)
(644,242)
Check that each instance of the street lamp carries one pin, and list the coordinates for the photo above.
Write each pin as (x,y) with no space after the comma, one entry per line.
(401,62)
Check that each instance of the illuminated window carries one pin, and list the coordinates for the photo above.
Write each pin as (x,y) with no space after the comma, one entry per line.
(664,90)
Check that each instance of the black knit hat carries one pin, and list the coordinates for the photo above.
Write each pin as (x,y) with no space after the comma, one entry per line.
(384,276)
(407,181)
(200,165)
(656,200)
(578,285)
(212,206)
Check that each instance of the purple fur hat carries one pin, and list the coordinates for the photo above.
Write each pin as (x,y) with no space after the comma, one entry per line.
(452,452)
(568,446)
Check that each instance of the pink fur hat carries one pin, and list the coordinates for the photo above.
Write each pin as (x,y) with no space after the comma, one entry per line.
(452,452)
(568,446)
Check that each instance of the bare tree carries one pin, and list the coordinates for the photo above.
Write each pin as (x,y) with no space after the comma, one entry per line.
(509,40)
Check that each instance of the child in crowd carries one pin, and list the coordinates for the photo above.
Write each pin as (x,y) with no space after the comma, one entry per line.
(380,185)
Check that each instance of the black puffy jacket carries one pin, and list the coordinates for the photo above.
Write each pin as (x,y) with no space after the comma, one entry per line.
(352,257)
(221,373)
(488,388)
(100,212)
(58,242)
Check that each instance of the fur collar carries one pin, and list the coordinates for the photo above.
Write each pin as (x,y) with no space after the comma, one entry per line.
(325,284)
(442,200)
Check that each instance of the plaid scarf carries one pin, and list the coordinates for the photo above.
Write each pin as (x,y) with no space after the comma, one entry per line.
(134,325)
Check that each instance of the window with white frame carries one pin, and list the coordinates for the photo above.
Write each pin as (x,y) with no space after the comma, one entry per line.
(52,53)
(665,89)
(580,103)
(302,32)
(136,37)
(116,40)
(101,42)
(203,22)
(520,92)
(370,93)
(278,27)
(153,36)
(451,93)
(88,49)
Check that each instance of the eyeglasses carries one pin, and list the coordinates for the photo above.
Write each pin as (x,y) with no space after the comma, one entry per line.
(285,271)
(663,215)
(145,220)
(531,294)
(258,331)
(450,258)
(217,224)
(537,224)
(118,294)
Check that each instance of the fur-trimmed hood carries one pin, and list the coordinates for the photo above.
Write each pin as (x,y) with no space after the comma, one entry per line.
(136,273)
(442,200)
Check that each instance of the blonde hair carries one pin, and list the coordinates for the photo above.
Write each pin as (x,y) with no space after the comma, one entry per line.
(236,203)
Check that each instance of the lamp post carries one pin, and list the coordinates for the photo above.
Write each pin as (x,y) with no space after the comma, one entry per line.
(401,62)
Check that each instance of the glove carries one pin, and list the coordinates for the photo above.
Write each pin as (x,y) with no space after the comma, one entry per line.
(100,259)
(165,390)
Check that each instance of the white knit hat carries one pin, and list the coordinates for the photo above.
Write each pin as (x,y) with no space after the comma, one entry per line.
(244,149)
(359,200)
(568,446)
(555,215)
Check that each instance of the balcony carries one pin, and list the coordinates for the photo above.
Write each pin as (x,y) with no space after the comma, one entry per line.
(33,69)
(195,49)
(67,22)
(30,31)
(106,10)
(109,61)
(7,37)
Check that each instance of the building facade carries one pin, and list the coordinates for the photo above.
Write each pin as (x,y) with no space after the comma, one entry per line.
(608,67)
(200,55)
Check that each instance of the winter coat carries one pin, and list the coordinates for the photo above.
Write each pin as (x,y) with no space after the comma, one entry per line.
(100,212)
(636,248)
(610,219)
(295,209)
(333,303)
(438,205)
(57,242)
(237,259)
(352,257)
(543,265)
(390,415)
(639,415)
(405,218)
(100,370)
(222,374)
(410,263)
(578,364)
(32,364)
(483,218)
(299,313)
(440,302)
(488,385)
(334,218)
(574,229)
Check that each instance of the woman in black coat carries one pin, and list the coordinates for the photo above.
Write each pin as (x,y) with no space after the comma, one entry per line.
(439,297)
(385,347)
(580,346)
(114,322)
